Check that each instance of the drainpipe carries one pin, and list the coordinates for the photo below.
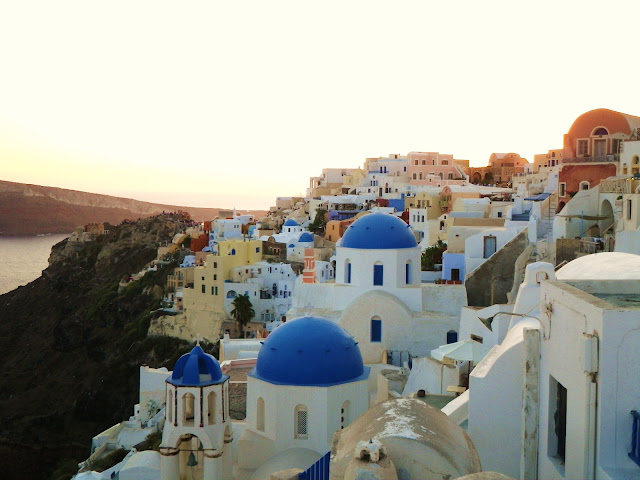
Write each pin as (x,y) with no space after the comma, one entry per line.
(591,369)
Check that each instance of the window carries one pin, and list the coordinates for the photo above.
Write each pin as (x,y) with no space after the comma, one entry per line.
(213,290)
(629,205)
(499,214)
(557,420)
(584,185)
(260,415)
(489,246)
(452,336)
(215,264)
(476,338)
(344,415)
(583,148)
(347,272)
(233,251)
(378,274)
(615,145)
(216,290)
(300,419)
(204,288)
(170,407)
(376,330)
(563,189)
(188,409)
(215,277)
(541,276)
(414,176)
(211,408)
(407,273)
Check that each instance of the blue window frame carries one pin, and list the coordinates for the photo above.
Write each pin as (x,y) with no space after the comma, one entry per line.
(376,330)
(348,272)
(378,272)
(407,273)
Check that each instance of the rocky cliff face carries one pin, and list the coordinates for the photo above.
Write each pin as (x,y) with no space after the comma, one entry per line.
(32,209)
(72,344)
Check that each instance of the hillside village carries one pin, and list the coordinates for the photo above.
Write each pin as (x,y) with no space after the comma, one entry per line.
(411,318)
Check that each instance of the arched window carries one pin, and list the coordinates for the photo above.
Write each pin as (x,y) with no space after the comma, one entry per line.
(170,407)
(414,176)
(347,271)
(407,272)
(231,294)
(584,185)
(233,251)
(600,131)
(420,177)
(452,336)
(378,274)
(188,409)
(300,422)
(441,175)
(260,414)
(344,415)
(636,160)
(212,401)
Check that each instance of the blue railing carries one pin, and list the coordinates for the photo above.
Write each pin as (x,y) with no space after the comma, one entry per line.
(317,471)
(634,454)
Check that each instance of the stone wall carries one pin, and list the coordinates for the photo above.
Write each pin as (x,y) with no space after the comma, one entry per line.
(490,282)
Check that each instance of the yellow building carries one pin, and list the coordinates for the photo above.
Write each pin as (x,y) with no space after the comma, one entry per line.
(204,303)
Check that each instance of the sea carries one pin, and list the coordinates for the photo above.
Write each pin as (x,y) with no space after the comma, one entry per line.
(22,258)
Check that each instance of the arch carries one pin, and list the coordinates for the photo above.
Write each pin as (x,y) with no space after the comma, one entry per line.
(477,178)
(301,422)
(452,336)
(378,274)
(584,185)
(636,160)
(188,409)
(212,402)
(170,406)
(441,175)
(560,206)
(232,294)
(233,251)
(260,414)
(441,225)
(599,131)
(344,414)
(347,271)
(606,210)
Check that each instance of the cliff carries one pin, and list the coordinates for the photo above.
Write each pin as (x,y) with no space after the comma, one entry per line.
(72,344)
(32,209)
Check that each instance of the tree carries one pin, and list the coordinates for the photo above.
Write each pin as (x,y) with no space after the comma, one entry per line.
(432,255)
(319,221)
(242,311)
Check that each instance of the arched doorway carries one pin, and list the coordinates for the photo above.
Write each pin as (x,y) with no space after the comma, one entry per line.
(606,210)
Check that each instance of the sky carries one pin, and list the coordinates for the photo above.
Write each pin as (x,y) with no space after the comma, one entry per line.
(221,104)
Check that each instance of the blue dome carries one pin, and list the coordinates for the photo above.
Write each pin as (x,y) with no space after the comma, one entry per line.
(291,223)
(310,351)
(196,369)
(379,231)
(306,237)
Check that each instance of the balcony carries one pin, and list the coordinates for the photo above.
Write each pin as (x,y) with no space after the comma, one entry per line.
(599,159)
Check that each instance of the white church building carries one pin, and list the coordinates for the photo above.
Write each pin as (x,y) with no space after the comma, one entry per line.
(377,295)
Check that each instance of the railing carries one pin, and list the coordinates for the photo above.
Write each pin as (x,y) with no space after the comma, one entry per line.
(601,158)
(587,246)
(317,471)
(618,185)
(634,454)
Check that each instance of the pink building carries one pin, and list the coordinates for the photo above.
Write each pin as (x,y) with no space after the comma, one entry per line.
(434,169)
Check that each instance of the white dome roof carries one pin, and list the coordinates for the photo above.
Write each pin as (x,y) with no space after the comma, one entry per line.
(602,266)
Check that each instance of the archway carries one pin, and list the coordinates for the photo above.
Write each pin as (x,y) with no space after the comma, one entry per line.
(606,210)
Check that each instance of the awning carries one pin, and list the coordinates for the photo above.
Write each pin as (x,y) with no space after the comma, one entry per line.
(538,198)
(465,350)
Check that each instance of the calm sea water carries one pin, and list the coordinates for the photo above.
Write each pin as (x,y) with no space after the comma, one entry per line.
(22,259)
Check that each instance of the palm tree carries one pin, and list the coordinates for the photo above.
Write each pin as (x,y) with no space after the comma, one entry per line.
(242,311)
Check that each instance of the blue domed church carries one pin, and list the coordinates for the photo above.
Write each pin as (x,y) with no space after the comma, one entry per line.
(197,430)
(309,381)
(378,296)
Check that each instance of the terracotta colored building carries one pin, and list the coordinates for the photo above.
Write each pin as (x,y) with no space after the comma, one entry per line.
(432,168)
(502,167)
(336,228)
(575,177)
(597,136)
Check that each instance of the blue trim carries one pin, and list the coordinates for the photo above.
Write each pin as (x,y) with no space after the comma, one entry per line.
(376,330)
(378,275)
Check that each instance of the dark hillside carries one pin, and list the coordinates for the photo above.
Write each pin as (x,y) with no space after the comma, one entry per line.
(72,345)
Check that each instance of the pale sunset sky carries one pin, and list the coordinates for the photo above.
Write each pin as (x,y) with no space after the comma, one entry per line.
(221,104)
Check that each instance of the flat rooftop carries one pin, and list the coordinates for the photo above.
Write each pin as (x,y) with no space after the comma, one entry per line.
(620,300)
